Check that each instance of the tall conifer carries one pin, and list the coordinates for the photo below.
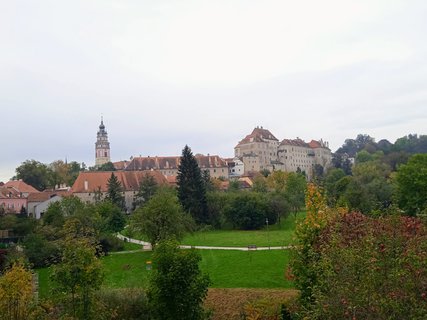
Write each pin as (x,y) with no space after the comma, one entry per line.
(191,187)
(114,193)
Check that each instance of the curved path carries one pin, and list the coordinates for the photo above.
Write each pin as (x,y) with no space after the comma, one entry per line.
(147,246)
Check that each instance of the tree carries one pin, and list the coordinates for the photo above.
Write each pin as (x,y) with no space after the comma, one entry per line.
(277,180)
(58,173)
(115,191)
(177,287)
(74,169)
(260,184)
(191,188)
(112,216)
(369,189)
(296,185)
(109,166)
(206,176)
(249,210)
(34,173)
(331,187)
(161,218)
(411,181)
(78,275)
(16,293)
(318,173)
(363,156)
(147,188)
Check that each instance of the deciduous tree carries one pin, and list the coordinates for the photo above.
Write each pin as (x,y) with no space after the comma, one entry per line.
(161,218)
(16,293)
(76,278)
(177,287)
(411,181)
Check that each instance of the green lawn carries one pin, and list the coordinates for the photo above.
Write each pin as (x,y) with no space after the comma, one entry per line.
(128,246)
(227,269)
(276,235)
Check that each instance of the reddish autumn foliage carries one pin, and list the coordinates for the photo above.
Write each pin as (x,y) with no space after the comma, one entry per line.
(368,268)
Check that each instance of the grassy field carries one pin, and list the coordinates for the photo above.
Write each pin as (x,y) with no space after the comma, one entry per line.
(227,269)
(277,235)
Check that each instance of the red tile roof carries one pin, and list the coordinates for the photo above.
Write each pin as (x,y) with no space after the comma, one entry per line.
(9,193)
(20,185)
(46,195)
(91,180)
(294,142)
(314,144)
(166,163)
(258,135)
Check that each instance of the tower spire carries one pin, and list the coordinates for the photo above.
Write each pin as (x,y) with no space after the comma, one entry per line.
(102,146)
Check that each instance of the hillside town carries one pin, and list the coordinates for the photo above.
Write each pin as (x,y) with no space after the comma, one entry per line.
(257,152)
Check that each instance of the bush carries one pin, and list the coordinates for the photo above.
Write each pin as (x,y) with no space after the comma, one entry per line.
(109,242)
(369,268)
(40,252)
(125,304)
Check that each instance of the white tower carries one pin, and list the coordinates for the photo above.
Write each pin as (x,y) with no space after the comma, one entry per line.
(102,146)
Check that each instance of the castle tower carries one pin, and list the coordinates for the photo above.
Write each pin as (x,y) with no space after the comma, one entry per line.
(102,146)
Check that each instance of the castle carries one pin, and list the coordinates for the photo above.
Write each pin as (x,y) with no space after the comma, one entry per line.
(261,150)
(258,151)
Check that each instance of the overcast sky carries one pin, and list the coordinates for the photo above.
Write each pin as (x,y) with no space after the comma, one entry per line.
(205,73)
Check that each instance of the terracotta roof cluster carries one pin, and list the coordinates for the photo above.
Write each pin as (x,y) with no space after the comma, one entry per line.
(21,186)
(165,163)
(259,134)
(91,181)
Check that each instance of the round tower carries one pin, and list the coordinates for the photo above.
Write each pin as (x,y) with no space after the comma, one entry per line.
(102,146)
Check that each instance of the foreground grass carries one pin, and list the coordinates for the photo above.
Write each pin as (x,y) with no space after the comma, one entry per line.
(277,235)
(227,269)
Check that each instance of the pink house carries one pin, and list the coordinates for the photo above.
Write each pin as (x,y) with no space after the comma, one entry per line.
(11,200)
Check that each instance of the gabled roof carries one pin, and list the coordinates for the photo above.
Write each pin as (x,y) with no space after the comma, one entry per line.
(21,186)
(166,163)
(46,195)
(90,181)
(9,193)
(259,134)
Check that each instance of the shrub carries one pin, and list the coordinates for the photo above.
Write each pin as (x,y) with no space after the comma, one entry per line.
(369,268)
(125,304)
(109,242)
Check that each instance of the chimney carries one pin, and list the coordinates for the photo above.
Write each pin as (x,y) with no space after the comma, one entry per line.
(86,185)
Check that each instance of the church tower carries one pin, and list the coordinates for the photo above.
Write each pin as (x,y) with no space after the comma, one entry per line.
(102,146)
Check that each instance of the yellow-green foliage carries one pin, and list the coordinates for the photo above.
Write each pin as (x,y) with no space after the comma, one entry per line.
(16,293)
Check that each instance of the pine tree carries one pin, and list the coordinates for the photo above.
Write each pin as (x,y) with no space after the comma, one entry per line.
(191,187)
(114,193)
